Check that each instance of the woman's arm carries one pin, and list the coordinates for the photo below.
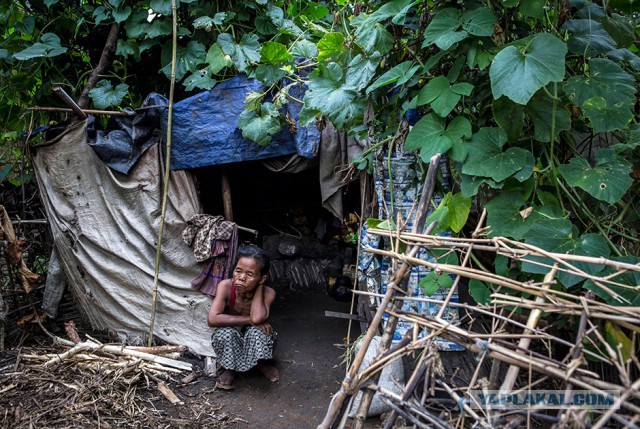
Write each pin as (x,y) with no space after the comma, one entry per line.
(217,318)
(261,304)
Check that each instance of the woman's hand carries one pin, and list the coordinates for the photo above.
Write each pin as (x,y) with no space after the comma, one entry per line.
(265,327)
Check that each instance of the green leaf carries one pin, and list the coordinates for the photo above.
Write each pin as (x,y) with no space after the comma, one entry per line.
(396,9)
(48,47)
(588,37)
(307,116)
(621,295)
(625,57)
(506,217)
(478,22)
(242,54)
(121,15)
(533,8)
(361,70)
(501,264)
(620,28)
(187,58)
(265,26)
(159,27)
(618,340)
(519,74)
(480,292)
(449,26)
(402,72)
(550,235)
(269,74)
(105,95)
(608,181)
(217,59)
(452,213)
(274,53)
(605,95)
(162,7)
(486,158)
(433,282)
(127,48)
(430,135)
(443,29)
(100,14)
(479,56)
(510,116)
(201,80)
(259,126)
(137,24)
(330,46)
(203,23)
(442,96)
(50,3)
(315,10)
(374,38)
(327,91)
(304,48)
(540,111)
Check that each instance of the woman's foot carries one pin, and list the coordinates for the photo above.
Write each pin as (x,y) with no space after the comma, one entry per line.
(226,379)
(269,371)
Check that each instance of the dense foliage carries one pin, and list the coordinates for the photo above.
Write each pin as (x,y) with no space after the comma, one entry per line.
(534,101)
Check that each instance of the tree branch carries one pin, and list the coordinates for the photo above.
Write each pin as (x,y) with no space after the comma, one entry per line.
(106,59)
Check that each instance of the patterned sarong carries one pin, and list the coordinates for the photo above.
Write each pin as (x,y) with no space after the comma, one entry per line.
(240,348)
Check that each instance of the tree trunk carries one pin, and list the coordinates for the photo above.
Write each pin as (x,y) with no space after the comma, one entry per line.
(105,62)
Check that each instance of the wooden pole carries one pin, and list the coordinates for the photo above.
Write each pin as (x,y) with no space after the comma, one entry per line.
(69,102)
(226,198)
(86,111)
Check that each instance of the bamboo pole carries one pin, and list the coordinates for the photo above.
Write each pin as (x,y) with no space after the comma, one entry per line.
(534,316)
(167,171)
(69,102)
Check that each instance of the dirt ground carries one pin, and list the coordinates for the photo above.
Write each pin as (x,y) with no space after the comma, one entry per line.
(308,356)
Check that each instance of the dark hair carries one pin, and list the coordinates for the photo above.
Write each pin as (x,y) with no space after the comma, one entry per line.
(256,253)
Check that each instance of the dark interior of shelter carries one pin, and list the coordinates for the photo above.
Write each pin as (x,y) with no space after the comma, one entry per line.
(308,246)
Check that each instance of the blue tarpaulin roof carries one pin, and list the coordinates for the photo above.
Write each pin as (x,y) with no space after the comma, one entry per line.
(205,128)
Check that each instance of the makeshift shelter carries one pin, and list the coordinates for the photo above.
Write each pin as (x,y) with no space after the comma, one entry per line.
(102,190)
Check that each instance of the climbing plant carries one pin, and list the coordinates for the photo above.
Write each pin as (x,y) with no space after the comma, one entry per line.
(533,102)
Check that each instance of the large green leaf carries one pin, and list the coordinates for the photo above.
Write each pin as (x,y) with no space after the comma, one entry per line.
(607,181)
(486,158)
(187,58)
(274,53)
(361,70)
(626,295)
(398,75)
(121,14)
(304,48)
(159,27)
(259,126)
(452,213)
(441,96)
(374,38)
(431,135)
(217,59)
(450,26)
(540,111)
(127,48)
(242,54)
(625,57)
(478,22)
(588,37)
(396,9)
(605,95)
(510,116)
(533,8)
(162,7)
(620,28)
(443,31)
(328,92)
(330,46)
(561,236)
(200,79)
(507,217)
(137,24)
(105,95)
(269,74)
(47,47)
(480,293)
(519,74)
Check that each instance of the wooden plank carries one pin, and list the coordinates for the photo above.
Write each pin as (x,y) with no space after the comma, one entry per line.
(343,315)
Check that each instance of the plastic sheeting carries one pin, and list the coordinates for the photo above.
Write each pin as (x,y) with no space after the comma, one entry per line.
(205,128)
(105,227)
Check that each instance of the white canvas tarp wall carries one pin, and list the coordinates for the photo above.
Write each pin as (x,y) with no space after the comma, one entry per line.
(105,226)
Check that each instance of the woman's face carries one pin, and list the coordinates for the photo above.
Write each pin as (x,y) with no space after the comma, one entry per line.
(246,274)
